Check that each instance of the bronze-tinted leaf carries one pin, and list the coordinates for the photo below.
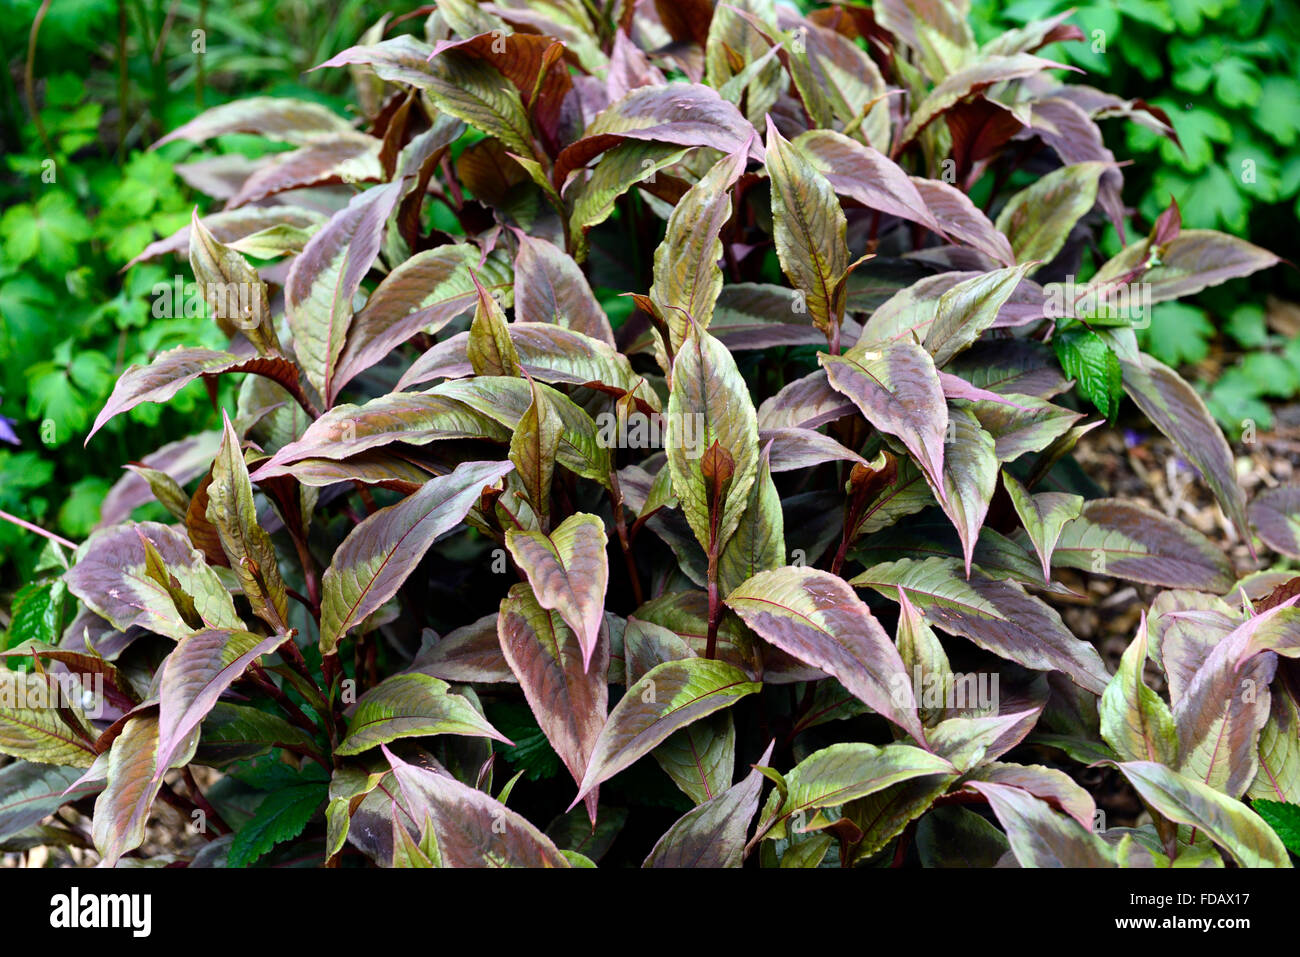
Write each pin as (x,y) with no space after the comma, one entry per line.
(1176,409)
(866,175)
(896,387)
(233,512)
(564,685)
(997,615)
(174,369)
(422,293)
(1039,836)
(1275,513)
(235,296)
(325,277)
(1131,541)
(550,287)
(111,577)
(380,553)
(1222,710)
(816,617)
(472,829)
(963,220)
(668,697)
(275,117)
(970,477)
(411,418)
(713,833)
(678,113)
(134,778)
(569,571)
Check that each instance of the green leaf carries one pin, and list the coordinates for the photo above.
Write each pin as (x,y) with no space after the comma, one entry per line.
(1086,358)
(701,757)
(37,612)
(758,544)
(281,817)
(668,697)
(1038,219)
(842,773)
(31,792)
(37,723)
(1227,822)
(1179,334)
(1044,516)
(488,348)
(809,229)
(1135,721)
(237,732)
(533,450)
(709,403)
(687,278)
(411,705)
(235,296)
(1284,819)
(233,512)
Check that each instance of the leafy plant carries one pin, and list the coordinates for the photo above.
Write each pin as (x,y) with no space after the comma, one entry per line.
(610,389)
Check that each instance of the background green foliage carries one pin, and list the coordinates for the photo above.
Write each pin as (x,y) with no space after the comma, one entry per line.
(1225,72)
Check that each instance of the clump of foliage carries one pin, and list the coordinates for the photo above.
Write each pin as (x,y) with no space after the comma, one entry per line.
(1222,72)
(607,390)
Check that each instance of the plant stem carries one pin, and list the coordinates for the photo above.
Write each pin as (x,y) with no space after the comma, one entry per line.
(29,78)
(196,795)
(620,524)
(185,807)
(291,710)
(38,530)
